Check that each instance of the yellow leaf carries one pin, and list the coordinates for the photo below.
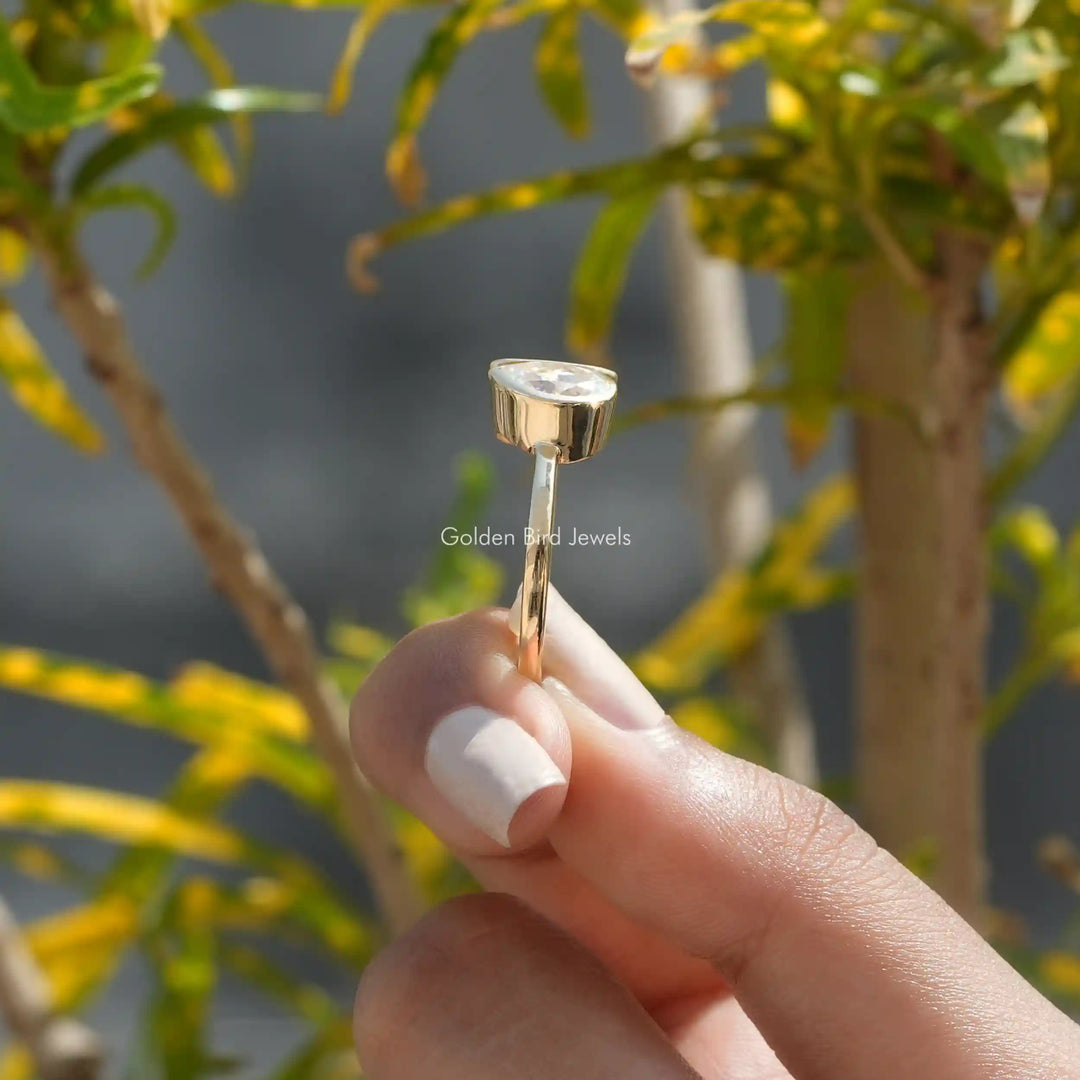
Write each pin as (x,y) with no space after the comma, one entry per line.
(99,924)
(255,704)
(359,642)
(124,819)
(1031,531)
(404,171)
(706,719)
(1048,357)
(14,256)
(1061,970)
(787,107)
(152,17)
(729,618)
(425,854)
(37,388)
(364,25)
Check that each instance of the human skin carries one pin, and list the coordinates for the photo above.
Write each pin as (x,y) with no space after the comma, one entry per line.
(656,908)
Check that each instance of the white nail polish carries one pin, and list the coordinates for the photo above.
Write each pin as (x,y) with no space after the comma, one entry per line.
(487,766)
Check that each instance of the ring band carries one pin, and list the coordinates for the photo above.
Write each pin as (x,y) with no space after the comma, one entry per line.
(560,413)
(534,585)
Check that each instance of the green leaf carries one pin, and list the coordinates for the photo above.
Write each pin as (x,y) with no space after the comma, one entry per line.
(220,73)
(722,156)
(460,577)
(560,72)
(182,119)
(814,351)
(601,270)
(1025,57)
(37,388)
(465,20)
(1023,142)
(183,957)
(771,229)
(26,106)
(135,196)
(364,26)
(792,26)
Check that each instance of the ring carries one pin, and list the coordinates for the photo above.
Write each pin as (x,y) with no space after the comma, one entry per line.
(560,413)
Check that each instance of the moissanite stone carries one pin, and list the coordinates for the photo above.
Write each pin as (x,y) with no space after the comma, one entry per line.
(553,380)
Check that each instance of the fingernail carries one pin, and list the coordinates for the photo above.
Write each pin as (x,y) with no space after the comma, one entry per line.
(487,766)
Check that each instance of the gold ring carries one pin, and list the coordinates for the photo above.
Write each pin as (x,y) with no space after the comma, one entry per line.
(559,413)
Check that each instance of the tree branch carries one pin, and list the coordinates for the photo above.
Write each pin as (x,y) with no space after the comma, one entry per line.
(710,314)
(62,1048)
(237,566)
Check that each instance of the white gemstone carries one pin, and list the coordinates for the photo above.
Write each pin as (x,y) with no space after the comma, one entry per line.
(556,381)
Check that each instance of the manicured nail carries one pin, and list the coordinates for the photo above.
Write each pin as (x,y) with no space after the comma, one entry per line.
(592,670)
(487,766)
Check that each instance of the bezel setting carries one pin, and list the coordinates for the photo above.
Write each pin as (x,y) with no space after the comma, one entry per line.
(531,407)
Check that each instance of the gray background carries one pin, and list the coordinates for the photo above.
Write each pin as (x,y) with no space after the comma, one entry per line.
(330,422)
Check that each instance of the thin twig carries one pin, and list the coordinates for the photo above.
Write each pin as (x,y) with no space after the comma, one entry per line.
(869,404)
(62,1048)
(893,250)
(237,566)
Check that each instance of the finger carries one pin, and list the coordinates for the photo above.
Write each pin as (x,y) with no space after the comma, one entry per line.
(492,773)
(465,663)
(483,989)
(838,955)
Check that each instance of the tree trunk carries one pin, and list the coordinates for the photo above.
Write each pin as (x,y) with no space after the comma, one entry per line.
(710,315)
(922,601)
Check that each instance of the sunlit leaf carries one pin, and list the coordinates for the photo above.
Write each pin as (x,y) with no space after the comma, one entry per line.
(124,819)
(1061,971)
(58,940)
(37,388)
(770,230)
(138,197)
(182,119)
(705,718)
(795,25)
(736,608)
(26,106)
(186,710)
(560,71)
(220,73)
(788,108)
(359,642)
(1023,146)
(14,256)
(1047,358)
(244,702)
(814,351)
(1025,56)
(716,158)
(463,22)
(363,27)
(152,17)
(601,270)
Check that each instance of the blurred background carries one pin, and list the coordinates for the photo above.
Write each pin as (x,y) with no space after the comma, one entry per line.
(331,422)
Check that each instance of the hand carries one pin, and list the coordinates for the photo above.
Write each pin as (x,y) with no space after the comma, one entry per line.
(679,912)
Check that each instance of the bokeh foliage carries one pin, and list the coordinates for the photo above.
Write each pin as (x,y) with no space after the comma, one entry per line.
(840,169)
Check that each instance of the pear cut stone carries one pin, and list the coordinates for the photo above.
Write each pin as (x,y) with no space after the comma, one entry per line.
(554,380)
